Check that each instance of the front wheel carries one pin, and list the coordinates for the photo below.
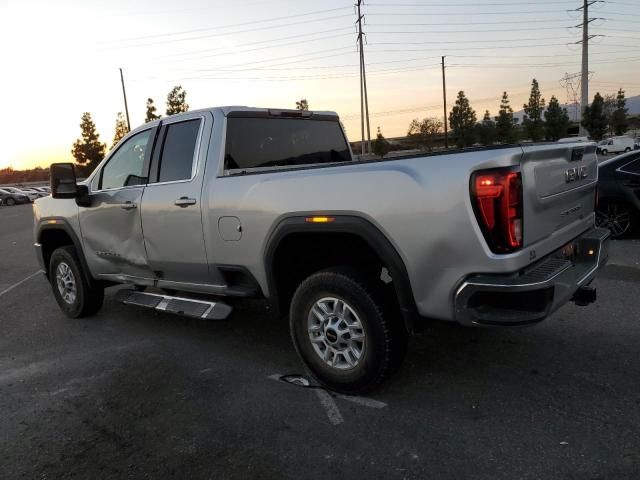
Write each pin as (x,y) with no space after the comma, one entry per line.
(604,152)
(347,336)
(76,295)
(10,202)
(628,149)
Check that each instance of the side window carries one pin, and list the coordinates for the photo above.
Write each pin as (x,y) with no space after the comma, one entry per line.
(633,167)
(125,166)
(178,151)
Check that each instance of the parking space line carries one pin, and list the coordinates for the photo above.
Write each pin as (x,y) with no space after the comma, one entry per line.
(7,290)
(335,417)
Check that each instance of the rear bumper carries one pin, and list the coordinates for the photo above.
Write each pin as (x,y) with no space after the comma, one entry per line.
(530,295)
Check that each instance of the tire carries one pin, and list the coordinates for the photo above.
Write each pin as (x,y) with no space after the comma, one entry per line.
(616,216)
(10,202)
(357,366)
(628,149)
(604,152)
(76,296)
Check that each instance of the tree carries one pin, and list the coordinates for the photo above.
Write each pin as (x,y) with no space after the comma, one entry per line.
(88,149)
(486,130)
(505,129)
(594,118)
(176,101)
(556,120)
(533,113)
(425,131)
(380,145)
(151,111)
(608,107)
(462,120)
(304,106)
(619,120)
(121,129)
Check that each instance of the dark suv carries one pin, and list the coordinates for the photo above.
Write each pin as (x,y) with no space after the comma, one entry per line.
(619,193)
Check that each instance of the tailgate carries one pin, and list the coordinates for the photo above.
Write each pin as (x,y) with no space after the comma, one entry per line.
(559,183)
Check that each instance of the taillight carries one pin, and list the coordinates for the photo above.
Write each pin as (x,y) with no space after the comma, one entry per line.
(497,200)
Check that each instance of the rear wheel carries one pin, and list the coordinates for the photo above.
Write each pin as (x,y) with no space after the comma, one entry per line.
(346,334)
(10,202)
(615,216)
(628,149)
(76,295)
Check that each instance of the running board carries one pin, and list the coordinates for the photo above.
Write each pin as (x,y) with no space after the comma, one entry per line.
(178,305)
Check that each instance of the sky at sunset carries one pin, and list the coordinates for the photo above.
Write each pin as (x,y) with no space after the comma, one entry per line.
(61,58)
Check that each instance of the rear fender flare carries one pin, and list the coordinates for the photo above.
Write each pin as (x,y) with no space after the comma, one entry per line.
(361,228)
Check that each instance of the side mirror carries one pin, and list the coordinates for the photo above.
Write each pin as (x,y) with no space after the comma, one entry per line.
(63,180)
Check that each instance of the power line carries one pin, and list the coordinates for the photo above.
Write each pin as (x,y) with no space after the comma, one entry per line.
(260,42)
(470,22)
(232,25)
(184,58)
(432,5)
(223,34)
(466,14)
(455,42)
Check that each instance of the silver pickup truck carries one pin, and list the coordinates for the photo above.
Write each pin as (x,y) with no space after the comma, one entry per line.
(200,210)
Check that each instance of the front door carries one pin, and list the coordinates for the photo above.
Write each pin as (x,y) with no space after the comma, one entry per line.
(171,208)
(111,225)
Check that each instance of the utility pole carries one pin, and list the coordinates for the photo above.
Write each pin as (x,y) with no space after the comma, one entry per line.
(444,97)
(584,99)
(364,99)
(584,77)
(124,94)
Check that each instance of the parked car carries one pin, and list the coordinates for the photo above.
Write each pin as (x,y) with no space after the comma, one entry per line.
(239,202)
(636,144)
(615,145)
(35,191)
(619,194)
(18,191)
(11,198)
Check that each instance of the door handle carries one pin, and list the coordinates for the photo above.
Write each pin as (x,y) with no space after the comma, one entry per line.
(128,206)
(185,201)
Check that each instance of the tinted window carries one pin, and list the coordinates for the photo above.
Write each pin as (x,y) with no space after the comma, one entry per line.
(125,165)
(633,167)
(178,151)
(270,142)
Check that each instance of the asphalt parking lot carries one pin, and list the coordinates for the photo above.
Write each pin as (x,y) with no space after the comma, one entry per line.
(133,393)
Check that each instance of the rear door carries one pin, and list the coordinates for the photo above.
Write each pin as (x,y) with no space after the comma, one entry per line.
(559,182)
(171,207)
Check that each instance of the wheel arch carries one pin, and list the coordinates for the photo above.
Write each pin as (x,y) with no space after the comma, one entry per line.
(354,228)
(55,233)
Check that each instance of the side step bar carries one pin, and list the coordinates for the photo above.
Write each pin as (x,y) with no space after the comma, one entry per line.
(178,305)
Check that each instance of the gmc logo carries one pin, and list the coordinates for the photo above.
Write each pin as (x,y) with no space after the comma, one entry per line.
(575,174)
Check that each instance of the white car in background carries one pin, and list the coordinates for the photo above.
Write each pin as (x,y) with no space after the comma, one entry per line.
(615,145)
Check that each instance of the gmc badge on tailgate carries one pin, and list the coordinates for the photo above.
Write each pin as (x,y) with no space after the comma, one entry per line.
(574,174)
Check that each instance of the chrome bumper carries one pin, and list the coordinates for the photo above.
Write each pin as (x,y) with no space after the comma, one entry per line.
(532,294)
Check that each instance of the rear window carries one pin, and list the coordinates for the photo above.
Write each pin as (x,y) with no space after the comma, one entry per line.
(275,142)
